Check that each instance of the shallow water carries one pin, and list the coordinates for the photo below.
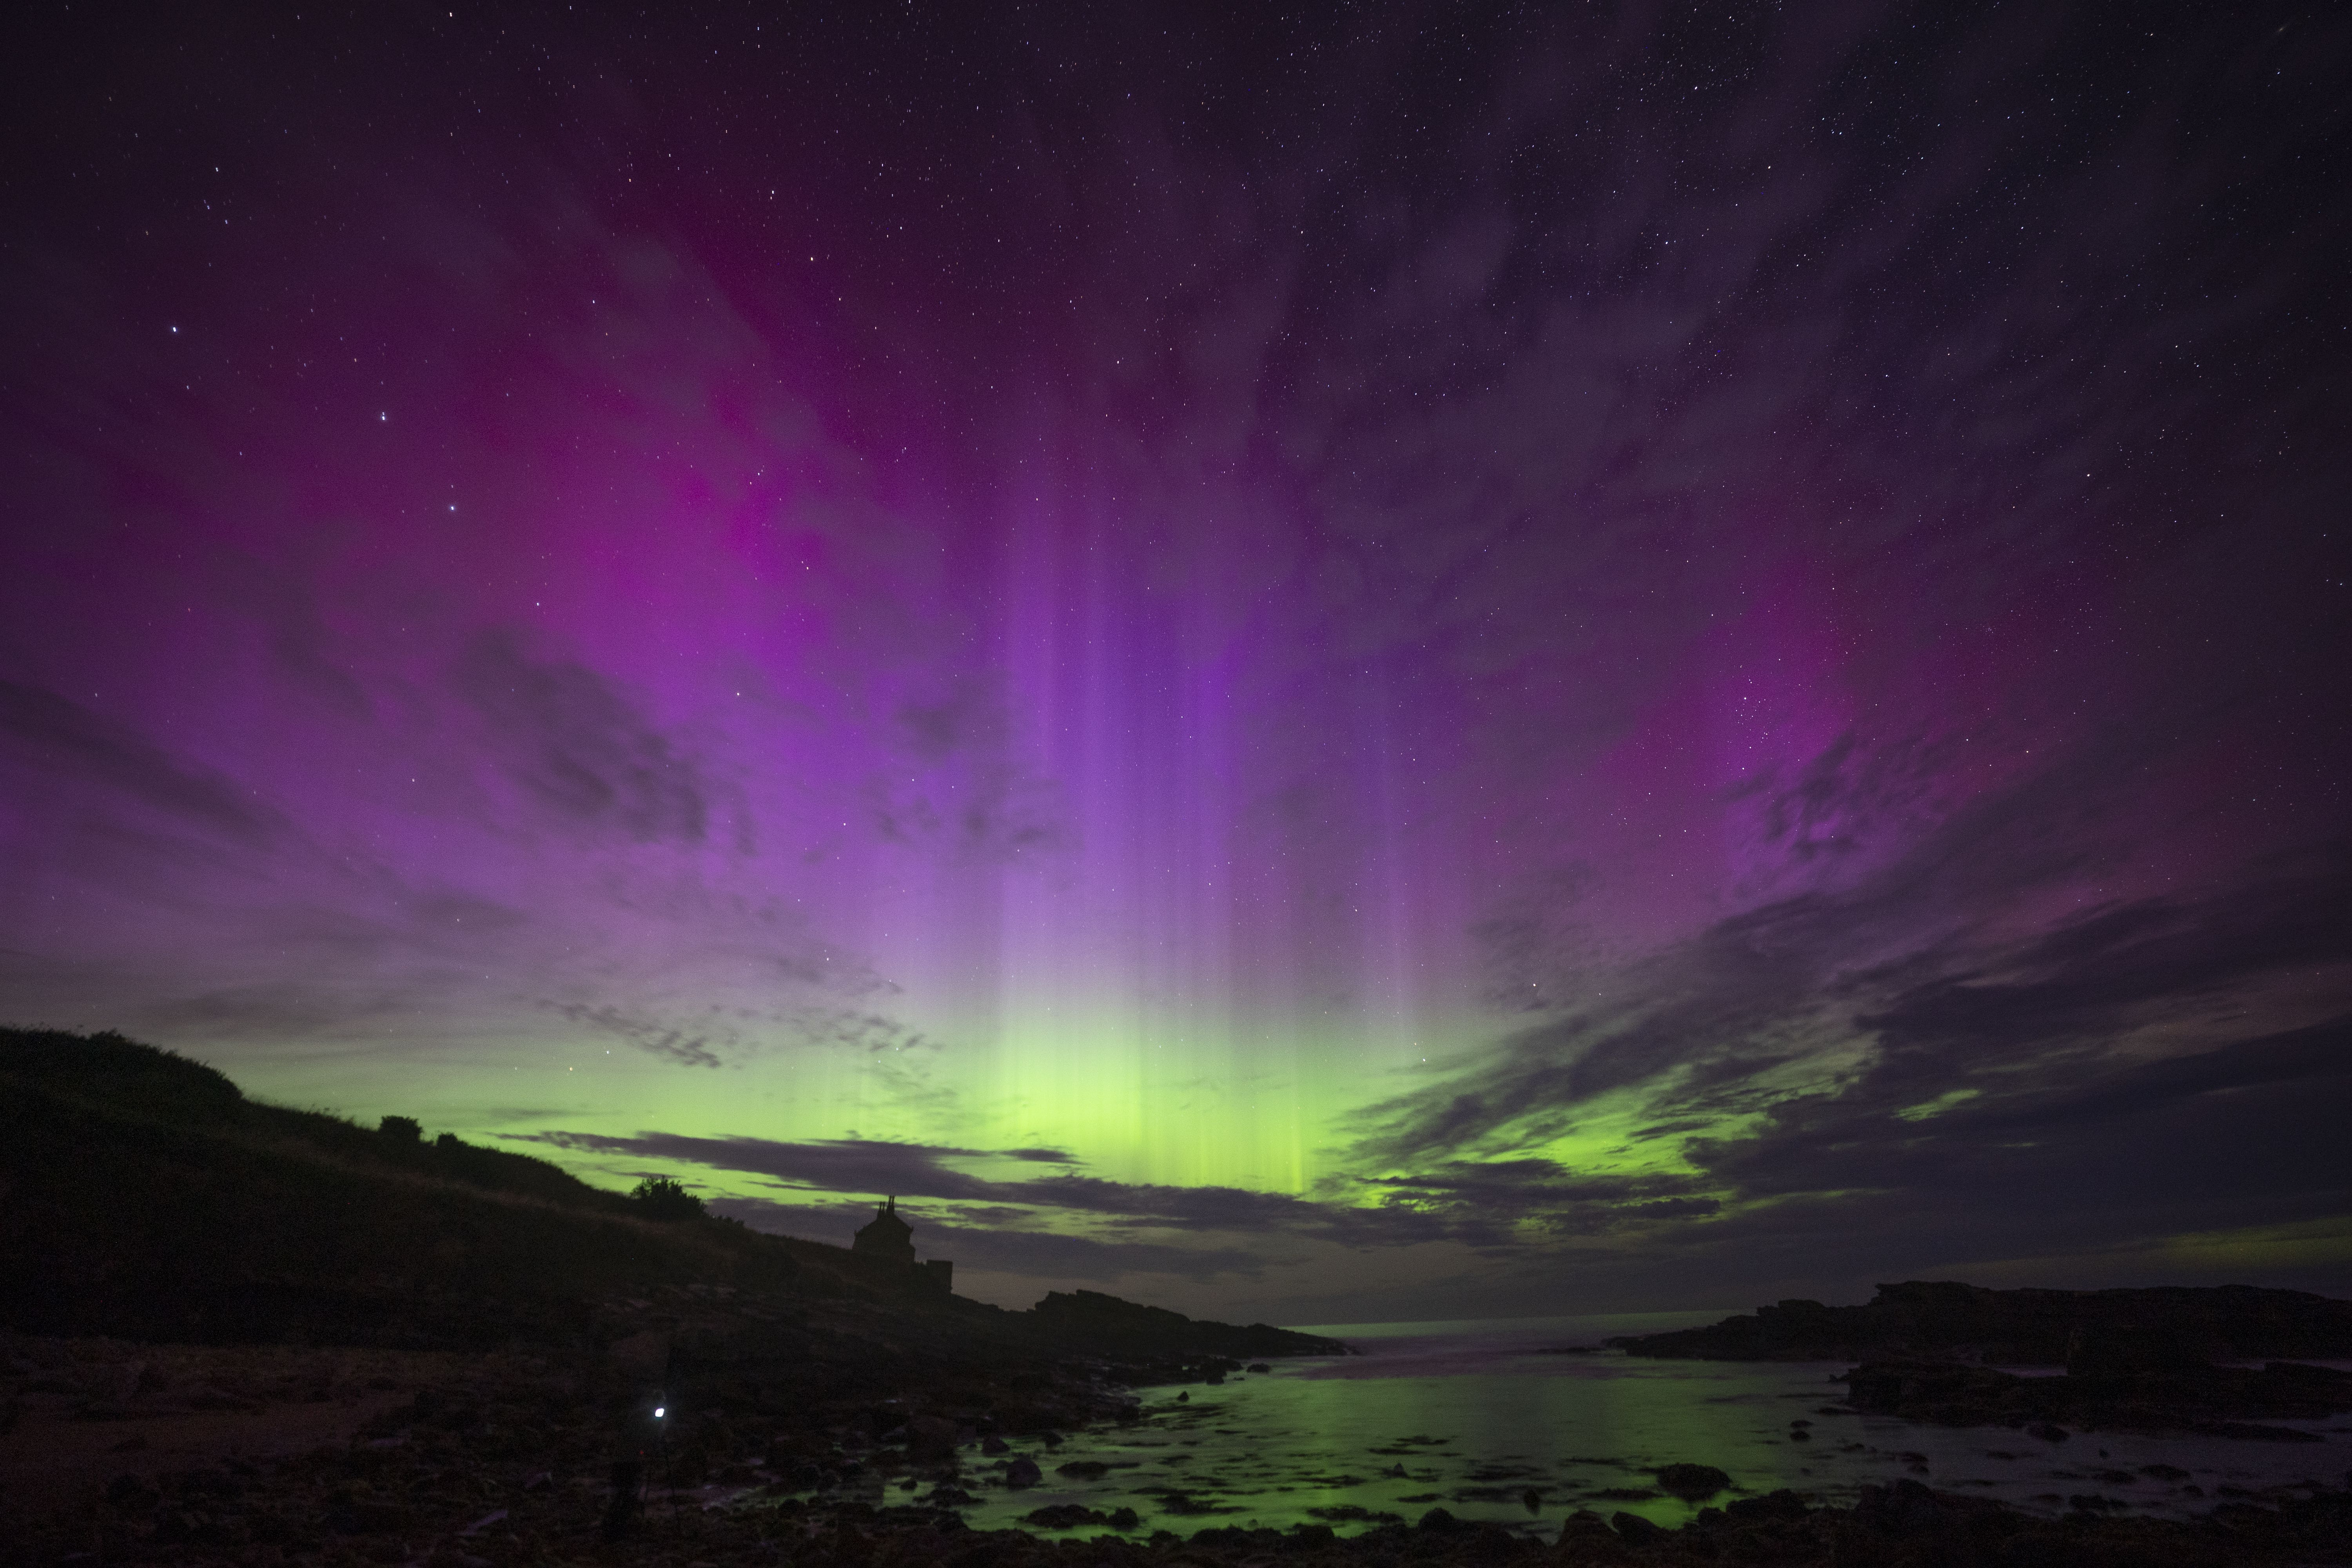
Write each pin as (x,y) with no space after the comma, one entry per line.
(1475,1418)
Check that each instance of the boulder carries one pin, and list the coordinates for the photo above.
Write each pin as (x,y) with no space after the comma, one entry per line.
(930,1437)
(1585,1537)
(1634,1531)
(1906,1508)
(1692,1482)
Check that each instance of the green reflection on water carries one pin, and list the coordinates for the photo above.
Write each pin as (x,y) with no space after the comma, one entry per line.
(1272,1450)
(1475,1419)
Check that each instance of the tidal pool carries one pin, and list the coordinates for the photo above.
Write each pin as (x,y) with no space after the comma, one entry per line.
(1472,1417)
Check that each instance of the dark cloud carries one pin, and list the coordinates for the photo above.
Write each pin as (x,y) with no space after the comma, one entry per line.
(689,1046)
(2097,1083)
(1464,1203)
(579,748)
(871,1033)
(264,1010)
(69,751)
(845,1164)
(970,794)
(1002,1248)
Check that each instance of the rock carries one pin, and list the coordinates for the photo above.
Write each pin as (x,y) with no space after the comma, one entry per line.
(1585,1537)
(2248,1431)
(1083,1470)
(1778,1504)
(1436,1518)
(367,1516)
(1092,1320)
(641,1358)
(930,1437)
(1906,1508)
(2166,1327)
(2131,1350)
(1634,1531)
(1692,1482)
(2130,1394)
(1022,1472)
(994,1445)
(1064,1516)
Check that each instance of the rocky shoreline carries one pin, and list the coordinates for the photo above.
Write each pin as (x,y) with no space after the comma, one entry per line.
(2211,1401)
(2088,1331)
(447,1355)
(844,1450)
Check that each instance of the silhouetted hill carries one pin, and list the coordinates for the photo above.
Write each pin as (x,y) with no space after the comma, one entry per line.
(145,1196)
(2090,1331)
(142,1196)
(1091,1322)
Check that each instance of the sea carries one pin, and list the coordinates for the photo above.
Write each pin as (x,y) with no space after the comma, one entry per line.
(1477,1419)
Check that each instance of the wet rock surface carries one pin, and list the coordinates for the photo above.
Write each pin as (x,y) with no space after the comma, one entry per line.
(521,1457)
(2215,1401)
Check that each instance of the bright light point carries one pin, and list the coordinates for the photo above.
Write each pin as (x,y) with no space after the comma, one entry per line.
(659,1412)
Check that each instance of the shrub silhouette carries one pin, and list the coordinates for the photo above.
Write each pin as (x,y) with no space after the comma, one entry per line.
(142,1196)
(662,1197)
(401,1129)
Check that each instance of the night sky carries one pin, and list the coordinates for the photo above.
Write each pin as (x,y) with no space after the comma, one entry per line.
(1420,661)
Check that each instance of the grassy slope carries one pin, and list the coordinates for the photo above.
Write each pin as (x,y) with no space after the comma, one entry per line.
(141,1194)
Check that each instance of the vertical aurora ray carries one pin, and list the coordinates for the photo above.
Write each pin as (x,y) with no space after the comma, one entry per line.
(1590,684)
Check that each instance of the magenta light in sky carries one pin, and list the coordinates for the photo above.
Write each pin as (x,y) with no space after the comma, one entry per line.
(1622,671)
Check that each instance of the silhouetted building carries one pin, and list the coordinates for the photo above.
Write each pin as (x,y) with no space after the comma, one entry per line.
(887,1238)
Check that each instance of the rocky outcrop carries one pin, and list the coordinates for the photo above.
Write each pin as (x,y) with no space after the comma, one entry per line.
(2217,1401)
(2092,1330)
(1090,1322)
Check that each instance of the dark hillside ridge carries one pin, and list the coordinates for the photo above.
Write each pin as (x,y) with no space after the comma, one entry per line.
(143,1196)
(2093,1333)
(1093,1322)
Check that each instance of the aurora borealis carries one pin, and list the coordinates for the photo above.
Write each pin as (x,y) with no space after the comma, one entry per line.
(1419,662)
